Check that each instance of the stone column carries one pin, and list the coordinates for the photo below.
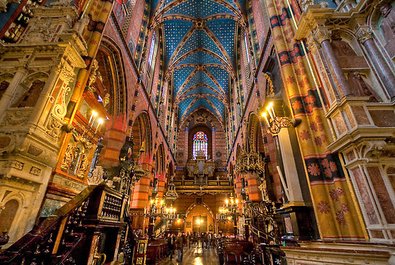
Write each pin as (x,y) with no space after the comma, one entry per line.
(187,145)
(322,35)
(213,143)
(7,97)
(383,70)
(45,95)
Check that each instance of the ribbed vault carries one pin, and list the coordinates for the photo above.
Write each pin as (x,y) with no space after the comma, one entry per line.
(199,51)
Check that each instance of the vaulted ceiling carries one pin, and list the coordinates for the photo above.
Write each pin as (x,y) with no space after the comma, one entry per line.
(199,51)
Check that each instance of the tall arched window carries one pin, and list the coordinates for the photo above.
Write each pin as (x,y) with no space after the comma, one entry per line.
(246,47)
(200,143)
(152,49)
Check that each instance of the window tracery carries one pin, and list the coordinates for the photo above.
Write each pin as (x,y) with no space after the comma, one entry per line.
(199,144)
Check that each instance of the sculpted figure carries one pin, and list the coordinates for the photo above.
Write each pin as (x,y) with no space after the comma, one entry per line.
(388,27)
(360,88)
(341,47)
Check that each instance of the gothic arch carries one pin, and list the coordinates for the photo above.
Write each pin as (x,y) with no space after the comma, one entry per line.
(142,134)
(160,160)
(192,132)
(18,214)
(111,66)
(34,80)
(193,205)
(254,134)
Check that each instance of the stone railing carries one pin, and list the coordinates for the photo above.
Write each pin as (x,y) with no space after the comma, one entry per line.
(355,118)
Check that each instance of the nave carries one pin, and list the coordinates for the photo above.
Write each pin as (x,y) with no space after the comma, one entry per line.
(194,255)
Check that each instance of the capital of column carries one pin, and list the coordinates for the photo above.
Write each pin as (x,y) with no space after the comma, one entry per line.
(364,34)
(311,44)
(322,34)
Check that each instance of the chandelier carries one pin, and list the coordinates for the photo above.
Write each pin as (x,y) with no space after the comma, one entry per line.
(169,213)
(249,162)
(171,193)
(229,212)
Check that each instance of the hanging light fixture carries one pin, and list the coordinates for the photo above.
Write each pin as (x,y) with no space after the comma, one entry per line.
(249,162)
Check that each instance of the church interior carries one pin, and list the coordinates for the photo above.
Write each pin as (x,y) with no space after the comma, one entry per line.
(197,132)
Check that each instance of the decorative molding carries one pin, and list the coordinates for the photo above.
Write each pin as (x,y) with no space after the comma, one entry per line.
(364,34)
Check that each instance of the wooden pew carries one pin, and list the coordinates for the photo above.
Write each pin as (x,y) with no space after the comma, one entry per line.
(156,251)
(237,252)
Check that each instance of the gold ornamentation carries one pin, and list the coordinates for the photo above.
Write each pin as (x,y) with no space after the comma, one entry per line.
(68,158)
(322,34)
(364,34)
(269,81)
(75,160)
(249,162)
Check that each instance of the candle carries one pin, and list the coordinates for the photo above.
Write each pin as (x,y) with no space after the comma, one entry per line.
(264,115)
(99,123)
(269,109)
(93,117)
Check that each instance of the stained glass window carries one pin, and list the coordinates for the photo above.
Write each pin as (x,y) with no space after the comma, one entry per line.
(152,49)
(200,143)
(246,47)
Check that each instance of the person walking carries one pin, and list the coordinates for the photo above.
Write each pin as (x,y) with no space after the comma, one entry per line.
(170,245)
(179,247)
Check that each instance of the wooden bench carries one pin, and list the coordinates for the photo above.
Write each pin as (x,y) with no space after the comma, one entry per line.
(237,252)
(156,251)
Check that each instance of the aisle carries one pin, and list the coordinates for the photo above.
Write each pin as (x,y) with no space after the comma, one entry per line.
(195,256)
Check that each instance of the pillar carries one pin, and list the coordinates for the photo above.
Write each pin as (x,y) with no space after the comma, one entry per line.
(213,142)
(8,95)
(323,37)
(383,70)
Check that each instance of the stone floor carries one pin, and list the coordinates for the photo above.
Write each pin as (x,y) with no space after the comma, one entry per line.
(195,256)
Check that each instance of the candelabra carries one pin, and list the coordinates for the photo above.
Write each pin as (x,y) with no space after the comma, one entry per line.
(171,193)
(276,123)
(158,207)
(129,172)
(169,213)
(249,162)
(229,211)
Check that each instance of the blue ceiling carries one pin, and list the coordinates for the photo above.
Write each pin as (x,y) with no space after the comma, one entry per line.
(199,51)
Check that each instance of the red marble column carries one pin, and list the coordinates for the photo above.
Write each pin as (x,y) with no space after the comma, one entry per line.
(382,68)
(323,37)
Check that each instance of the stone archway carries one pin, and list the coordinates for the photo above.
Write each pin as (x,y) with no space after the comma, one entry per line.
(142,150)
(200,212)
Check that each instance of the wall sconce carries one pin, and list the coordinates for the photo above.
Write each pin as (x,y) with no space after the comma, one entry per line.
(276,123)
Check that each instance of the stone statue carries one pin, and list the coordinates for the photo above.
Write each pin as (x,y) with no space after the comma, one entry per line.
(341,47)
(360,88)
(81,24)
(106,100)
(388,28)
(94,75)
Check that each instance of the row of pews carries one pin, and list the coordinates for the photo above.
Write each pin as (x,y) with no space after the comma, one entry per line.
(156,251)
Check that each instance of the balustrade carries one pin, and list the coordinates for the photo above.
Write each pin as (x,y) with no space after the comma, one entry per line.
(72,232)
